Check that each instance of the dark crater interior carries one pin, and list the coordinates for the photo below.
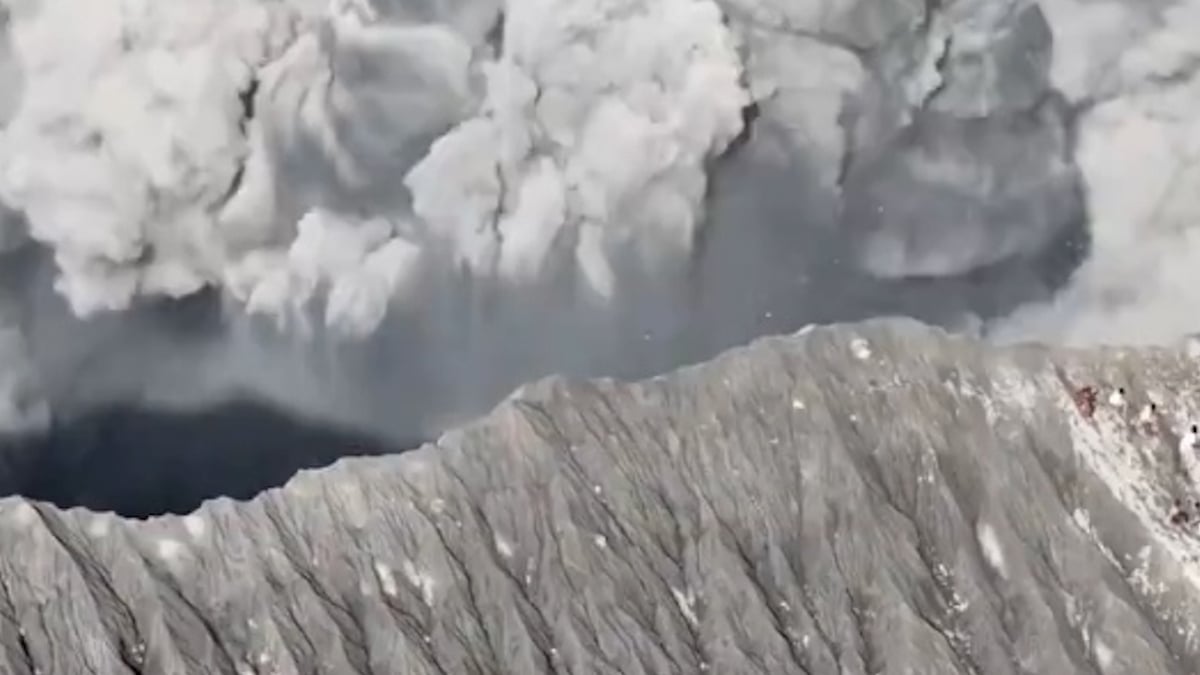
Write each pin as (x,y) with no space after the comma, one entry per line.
(141,462)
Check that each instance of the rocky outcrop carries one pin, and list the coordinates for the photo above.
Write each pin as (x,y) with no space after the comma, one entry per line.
(874,498)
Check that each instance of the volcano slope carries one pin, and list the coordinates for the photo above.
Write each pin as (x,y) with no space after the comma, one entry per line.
(870,498)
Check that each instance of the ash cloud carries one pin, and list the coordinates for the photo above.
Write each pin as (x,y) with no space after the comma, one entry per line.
(1130,70)
(389,214)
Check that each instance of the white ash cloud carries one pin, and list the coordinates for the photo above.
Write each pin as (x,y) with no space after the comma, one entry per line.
(574,189)
(1132,69)
(134,157)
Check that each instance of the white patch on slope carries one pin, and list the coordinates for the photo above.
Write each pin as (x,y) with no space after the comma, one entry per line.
(196,526)
(1104,655)
(22,513)
(860,348)
(990,545)
(503,547)
(99,525)
(168,549)
(387,580)
(421,580)
(686,600)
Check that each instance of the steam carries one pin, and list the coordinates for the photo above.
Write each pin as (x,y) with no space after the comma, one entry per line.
(280,153)
(125,140)
(390,216)
(1132,70)
(160,171)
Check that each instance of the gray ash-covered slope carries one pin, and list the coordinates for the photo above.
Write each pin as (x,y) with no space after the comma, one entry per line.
(874,498)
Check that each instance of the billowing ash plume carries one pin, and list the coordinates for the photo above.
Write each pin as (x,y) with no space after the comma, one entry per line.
(1133,73)
(433,202)
(152,156)
(593,133)
(143,156)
